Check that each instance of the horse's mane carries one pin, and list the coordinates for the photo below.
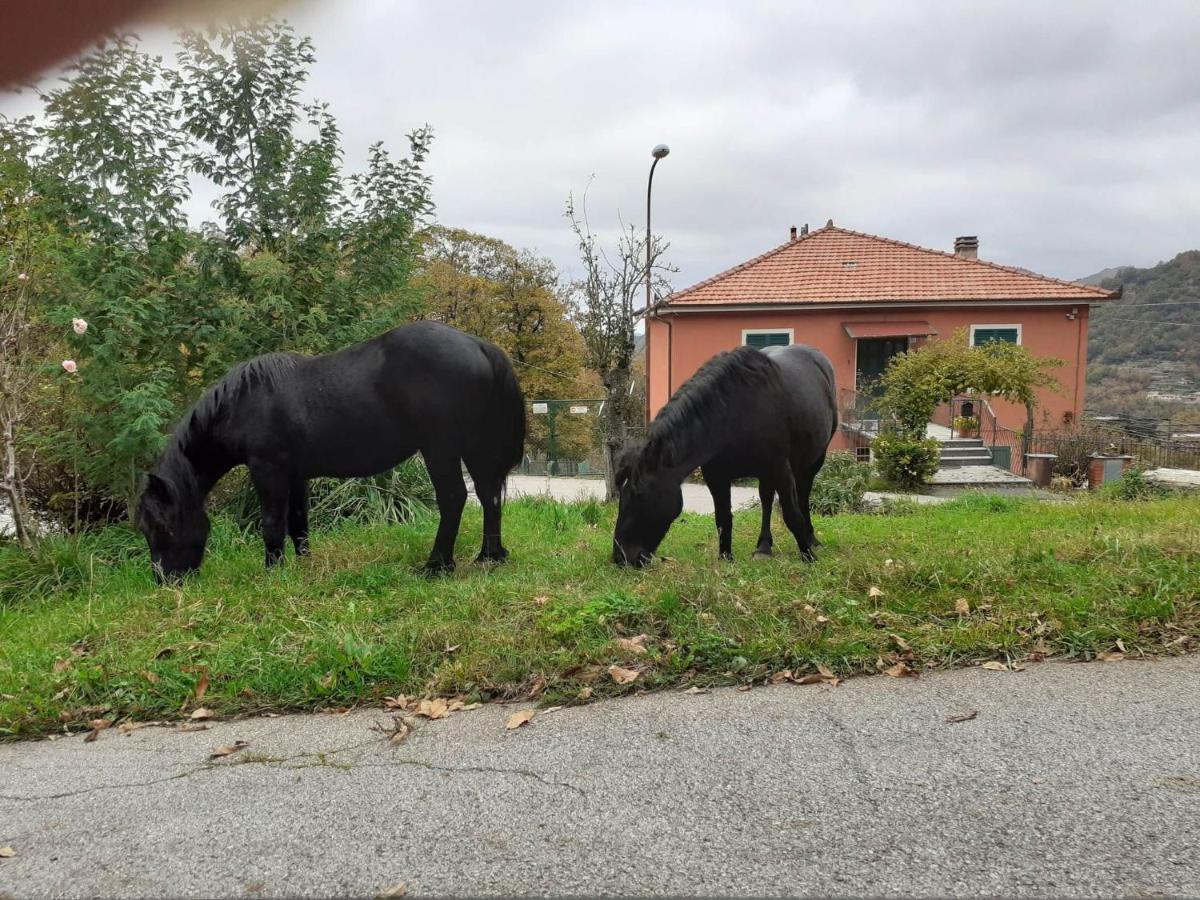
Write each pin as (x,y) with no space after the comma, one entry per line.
(703,404)
(193,430)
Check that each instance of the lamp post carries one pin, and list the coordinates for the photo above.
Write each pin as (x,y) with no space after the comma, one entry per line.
(658,153)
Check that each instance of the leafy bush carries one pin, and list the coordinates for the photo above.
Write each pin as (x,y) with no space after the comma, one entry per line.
(840,485)
(397,496)
(1133,485)
(907,462)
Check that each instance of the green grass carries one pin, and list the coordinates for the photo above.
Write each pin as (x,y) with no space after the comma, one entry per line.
(84,632)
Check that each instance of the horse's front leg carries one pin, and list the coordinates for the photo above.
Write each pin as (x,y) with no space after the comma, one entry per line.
(298,516)
(766,499)
(723,513)
(273,490)
(445,471)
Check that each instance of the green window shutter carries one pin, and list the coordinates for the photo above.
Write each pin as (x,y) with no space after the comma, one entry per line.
(763,339)
(983,335)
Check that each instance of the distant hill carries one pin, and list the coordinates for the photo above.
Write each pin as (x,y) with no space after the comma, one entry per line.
(1153,321)
(1102,276)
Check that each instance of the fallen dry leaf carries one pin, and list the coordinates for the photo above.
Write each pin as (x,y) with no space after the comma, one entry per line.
(810,679)
(400,730)
(636,645)
(744,687)
(201,713)
(900,642)
(202,685)
(7,852)
(61,665)
(517,719)
(825,671)
(962,607)
(541,600)
(227,749)
(164,652)
(470,706)
(781,677)
(900,670)
(398,702)
(821,620)
(433,709)
(585,693)
(965,717)
(696,690)
(396,890)
(150,676)
(622,676)
(874,592)
(1110,656)
(994,665)
(448,649)
(191,726)
(539,685)
(130,727)
(550,709)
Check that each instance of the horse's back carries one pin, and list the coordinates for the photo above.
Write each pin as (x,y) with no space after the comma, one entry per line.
(808,380)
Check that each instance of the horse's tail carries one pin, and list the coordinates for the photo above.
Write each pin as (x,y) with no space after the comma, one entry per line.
(507,409)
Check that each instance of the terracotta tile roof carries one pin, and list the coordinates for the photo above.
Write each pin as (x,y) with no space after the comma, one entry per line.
(836,265)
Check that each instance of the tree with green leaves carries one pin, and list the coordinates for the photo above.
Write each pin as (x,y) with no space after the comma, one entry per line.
(302,256)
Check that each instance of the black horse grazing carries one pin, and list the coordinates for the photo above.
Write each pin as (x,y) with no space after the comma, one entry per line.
(356,412)
(768,414)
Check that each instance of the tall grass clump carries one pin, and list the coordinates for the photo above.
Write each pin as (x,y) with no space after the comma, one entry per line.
(840,485)
(400,495)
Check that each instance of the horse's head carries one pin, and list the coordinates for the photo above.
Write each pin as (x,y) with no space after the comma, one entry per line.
(649,501)
(175,526)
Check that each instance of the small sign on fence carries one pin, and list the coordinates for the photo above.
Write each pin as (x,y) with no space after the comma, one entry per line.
(579,410)
(540,409)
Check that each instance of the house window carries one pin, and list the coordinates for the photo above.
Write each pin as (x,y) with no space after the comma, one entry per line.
(981,334)
(766,337)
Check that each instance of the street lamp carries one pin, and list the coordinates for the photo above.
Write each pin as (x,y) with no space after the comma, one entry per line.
(658,153)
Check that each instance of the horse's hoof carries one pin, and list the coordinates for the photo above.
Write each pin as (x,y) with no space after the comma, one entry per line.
(808,556)
(493,556)
(763,554)
(436,567)
(728,557)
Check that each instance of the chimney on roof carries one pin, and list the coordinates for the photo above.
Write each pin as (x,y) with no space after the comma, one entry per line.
(793,232)
(829,224)
(966,246)
(804,229)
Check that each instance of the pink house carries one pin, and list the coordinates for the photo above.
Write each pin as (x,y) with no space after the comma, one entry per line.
(861,299)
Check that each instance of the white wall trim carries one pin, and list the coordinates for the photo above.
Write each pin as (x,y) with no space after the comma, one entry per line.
(791,333)
(1016,326)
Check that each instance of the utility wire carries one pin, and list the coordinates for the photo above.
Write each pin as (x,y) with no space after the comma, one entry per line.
(1147,321)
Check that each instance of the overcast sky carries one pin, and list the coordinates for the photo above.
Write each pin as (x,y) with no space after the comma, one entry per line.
(1065,135)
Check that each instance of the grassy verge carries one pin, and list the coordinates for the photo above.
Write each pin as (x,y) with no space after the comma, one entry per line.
(85,632)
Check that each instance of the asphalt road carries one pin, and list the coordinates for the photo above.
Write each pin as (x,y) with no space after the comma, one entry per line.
(1071,780)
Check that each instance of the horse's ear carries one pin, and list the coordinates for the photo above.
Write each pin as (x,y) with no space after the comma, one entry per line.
(624,461)
(158,488)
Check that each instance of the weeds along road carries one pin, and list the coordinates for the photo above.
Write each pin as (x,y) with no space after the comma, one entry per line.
(1063,779)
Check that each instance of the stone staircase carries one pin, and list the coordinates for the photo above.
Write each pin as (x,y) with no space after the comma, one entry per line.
(958,452)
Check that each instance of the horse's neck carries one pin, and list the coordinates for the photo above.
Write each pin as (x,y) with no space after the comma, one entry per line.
(206,470)
(688,452)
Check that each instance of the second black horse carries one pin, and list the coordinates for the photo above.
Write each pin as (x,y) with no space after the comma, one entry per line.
(424,387)
(767,414)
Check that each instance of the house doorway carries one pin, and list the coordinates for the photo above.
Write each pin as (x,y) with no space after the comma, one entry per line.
(872,358)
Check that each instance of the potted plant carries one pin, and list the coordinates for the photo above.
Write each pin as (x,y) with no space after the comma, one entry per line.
(966,426)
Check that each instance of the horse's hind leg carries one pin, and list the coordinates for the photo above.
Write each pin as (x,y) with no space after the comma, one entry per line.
(273,489)
(489,491)
(298,516)
(790,505)
(445,471)
(766,499)
(804,482)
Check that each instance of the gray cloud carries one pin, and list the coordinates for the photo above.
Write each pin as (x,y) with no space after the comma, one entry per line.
(1063,134)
